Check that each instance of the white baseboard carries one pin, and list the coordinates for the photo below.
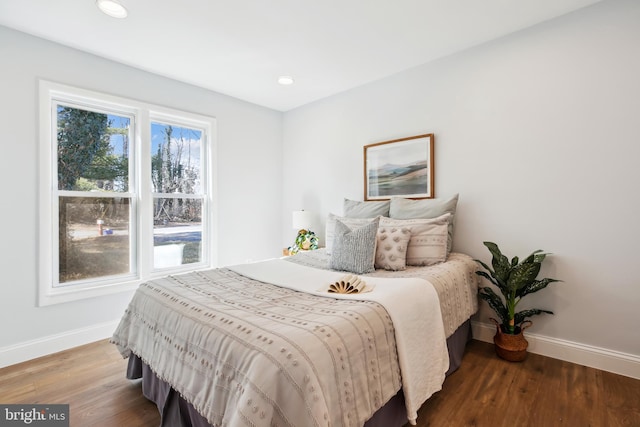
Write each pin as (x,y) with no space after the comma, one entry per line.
(582,354)
(21,352)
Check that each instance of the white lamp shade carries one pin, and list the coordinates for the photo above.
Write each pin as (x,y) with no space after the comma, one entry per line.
(301,220)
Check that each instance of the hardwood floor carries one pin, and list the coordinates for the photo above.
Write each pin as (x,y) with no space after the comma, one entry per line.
(488,391)
(90,378)
(485,391)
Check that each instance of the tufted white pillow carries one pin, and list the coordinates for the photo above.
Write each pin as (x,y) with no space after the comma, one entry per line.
(391,248)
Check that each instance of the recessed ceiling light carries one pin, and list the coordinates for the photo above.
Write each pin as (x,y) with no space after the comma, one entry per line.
(285,80)
(112,8)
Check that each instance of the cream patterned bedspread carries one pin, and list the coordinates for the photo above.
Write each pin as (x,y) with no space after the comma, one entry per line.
(247,352)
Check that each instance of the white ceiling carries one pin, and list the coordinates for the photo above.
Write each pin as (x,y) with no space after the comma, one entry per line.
(240,47)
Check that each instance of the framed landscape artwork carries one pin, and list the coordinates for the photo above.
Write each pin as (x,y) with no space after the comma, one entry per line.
(402,167)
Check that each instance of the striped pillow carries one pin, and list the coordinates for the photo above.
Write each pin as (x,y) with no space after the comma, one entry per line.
(426,209)
(354,250)
(428,243)
(331,225)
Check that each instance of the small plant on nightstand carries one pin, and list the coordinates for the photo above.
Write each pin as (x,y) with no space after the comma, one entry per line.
(306,240)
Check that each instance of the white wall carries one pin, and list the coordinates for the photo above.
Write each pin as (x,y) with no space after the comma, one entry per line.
(249,175)
(538,132)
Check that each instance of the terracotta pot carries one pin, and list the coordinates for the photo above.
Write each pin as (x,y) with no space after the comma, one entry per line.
(511,347)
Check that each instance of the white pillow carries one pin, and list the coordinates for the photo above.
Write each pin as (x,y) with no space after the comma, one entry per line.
(426,209)
(391,247)
(331,226)
(428,243)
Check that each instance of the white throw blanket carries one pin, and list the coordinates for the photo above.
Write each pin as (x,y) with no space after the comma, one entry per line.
(412,304)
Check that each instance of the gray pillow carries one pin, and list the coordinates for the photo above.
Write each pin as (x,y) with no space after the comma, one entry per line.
(354,250)
(355,209)
(331,225)
(427,208)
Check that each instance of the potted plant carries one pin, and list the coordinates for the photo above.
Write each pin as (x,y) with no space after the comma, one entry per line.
(515,279)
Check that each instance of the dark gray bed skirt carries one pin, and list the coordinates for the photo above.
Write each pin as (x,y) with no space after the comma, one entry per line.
(177,412)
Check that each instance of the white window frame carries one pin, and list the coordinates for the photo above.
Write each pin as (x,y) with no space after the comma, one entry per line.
(140,189)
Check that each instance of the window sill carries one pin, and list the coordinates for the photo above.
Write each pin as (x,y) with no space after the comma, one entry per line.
(51,296)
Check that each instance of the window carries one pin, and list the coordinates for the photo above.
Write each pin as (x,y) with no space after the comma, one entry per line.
(126,193)
(176,170)
(96,209)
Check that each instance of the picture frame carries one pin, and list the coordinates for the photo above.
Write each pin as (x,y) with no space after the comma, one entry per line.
(399,168)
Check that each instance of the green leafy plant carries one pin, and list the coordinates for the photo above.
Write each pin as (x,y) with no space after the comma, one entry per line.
(515,279)
(306,240)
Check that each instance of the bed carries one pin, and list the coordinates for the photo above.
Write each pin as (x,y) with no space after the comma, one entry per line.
(266,344)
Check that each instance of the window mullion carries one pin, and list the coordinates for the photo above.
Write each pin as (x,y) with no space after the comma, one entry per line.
(145,201)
